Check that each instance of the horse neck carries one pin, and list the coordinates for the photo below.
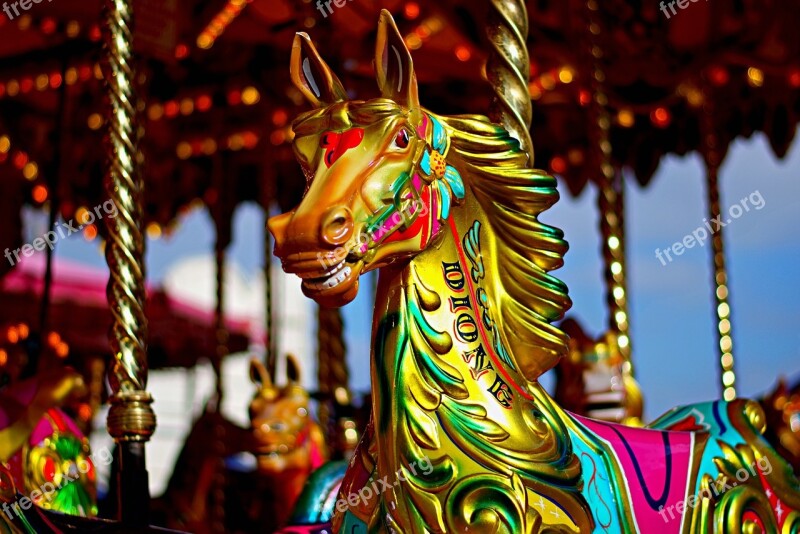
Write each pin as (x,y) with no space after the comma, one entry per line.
(442,394)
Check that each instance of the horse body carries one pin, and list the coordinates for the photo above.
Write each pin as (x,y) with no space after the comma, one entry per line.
(446,208)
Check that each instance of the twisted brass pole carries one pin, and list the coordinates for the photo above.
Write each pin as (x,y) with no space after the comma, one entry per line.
(270,347)
(131,420)
(217,509)
(508,70)
(713,159)
(332,372)
(610,201)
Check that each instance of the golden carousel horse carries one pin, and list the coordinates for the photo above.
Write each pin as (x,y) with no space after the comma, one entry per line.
(289,444)
(782,408)
(448,211)
(591,379)
(285,441)
(43,453)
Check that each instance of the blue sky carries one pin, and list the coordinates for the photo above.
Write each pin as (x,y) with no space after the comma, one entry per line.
(671,309)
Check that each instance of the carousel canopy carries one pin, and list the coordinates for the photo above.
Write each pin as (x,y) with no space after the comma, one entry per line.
(218,100)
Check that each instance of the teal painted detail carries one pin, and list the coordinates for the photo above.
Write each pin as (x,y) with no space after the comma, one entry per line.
(597,485)
(317,503)
(454,180)
(439,137)
(353,525)
(713,417)
(444,206)
(472,248)
(425,163)
(452,185)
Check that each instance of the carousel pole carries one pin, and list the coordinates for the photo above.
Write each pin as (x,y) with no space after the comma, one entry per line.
(270,347)
(53,182)
(221,213)
(333,378)
(611,188)
(217,512)
(713,160)
(508,70)
(131,420)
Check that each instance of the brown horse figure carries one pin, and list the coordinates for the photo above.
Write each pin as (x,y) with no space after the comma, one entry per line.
(592,380)
(287,444)
(782,409)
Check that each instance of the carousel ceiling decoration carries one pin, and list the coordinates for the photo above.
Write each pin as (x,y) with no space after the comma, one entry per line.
(214,66)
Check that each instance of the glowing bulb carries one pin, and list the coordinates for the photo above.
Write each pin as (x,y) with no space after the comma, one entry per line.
(566,75)
(250,96)
(30,171)
(755,77)
(626,118)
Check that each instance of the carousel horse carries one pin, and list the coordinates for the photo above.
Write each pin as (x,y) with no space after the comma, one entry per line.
(449,212)
(43,453)
(289,444)
(285,441)
(782,408)
(591,379)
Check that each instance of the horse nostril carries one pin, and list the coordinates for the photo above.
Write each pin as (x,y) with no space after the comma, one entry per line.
(337,226)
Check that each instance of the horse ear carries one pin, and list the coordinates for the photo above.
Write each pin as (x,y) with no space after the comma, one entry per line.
(259,374)
(393,65)
(292,369)
(312,76)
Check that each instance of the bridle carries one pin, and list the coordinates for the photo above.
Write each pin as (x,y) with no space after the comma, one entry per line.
(428,169)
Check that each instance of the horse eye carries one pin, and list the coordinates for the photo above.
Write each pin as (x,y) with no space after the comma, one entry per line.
(402,138)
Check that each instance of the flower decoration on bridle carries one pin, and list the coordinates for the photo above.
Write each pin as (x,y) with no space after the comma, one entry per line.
(434,168)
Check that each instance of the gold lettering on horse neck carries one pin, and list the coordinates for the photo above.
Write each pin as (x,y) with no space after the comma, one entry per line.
(467,331)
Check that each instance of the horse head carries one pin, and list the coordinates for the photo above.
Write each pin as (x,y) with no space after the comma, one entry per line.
(371,169)
(285,435)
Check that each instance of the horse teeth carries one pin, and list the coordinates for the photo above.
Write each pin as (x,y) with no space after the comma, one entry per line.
(339,275)
(337,268)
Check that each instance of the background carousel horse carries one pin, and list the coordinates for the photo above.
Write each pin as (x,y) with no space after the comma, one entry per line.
(43,452)
(448,210)
(591,380)
(782,408)
(285,441)
(290,445)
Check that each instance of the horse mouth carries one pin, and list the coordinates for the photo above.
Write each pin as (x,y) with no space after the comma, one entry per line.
(331,278)
(337,280)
